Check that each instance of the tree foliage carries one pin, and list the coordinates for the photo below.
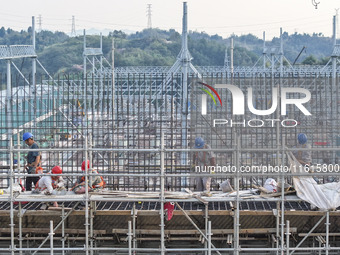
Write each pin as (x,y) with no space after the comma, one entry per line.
(154,47)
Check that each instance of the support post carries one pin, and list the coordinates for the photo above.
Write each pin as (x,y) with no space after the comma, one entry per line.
(237,200)
(129,237)
(51,237)
(34,73)
(209,237)
(162,195)
(113,82)
(20,228)
(91,226)
(11,182)
(287,236)
(63,229)
(206,218)
(185,61)
(327,232)
(134,217)
(86,199)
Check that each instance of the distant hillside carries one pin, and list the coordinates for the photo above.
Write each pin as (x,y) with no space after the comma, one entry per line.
(60,53)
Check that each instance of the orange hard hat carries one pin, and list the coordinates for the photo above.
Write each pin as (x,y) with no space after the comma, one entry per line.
(57,170)
(83,165)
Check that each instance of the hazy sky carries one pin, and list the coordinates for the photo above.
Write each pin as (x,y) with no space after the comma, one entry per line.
(222,17)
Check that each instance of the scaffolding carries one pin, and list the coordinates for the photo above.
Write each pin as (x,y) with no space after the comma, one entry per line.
(137,125)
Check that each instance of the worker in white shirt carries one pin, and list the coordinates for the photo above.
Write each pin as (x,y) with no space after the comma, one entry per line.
(49,183)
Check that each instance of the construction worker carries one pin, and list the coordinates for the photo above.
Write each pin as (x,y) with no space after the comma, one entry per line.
(48,183)
(97,182)
(202,160)
(304,157)
(33,160)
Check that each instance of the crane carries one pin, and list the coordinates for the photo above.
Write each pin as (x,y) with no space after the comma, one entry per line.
(304,47)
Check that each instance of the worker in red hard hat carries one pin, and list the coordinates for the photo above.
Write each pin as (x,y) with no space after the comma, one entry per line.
(50,182)
(96,182)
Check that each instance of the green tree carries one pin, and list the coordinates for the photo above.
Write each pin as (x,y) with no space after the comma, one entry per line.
(310,60)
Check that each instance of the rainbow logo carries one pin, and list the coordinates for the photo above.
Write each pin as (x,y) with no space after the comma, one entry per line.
(209,93)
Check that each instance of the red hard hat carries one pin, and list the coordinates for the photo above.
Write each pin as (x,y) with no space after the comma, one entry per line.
(83,165)
(57,170)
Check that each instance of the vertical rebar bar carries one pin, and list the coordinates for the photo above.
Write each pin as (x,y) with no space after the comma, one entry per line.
(34,71)
(232,56)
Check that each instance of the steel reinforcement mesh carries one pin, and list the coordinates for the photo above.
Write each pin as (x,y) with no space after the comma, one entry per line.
(65,112)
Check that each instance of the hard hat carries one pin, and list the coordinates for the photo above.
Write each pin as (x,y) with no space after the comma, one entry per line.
(302,138)
(57,170)
(83,165)
(26,136)
(199,142)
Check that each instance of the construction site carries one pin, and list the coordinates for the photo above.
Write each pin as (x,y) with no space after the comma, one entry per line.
(138,126)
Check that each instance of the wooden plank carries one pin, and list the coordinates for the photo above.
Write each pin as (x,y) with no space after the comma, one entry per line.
(318,234)
(196,232)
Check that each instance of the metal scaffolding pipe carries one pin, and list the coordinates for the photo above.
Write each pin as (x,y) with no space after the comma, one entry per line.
(193,223)
(287,236)
(130,237)
(206,220)
(51,237)
(86,198)
(56,227)
(20,228)
(310,231)
(327,232)
(162,197)
(209,237)
(11,195)
(237,201)
(134,217)
(92,206)
(63,228)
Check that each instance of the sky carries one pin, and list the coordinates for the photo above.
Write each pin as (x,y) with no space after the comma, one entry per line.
(222,17)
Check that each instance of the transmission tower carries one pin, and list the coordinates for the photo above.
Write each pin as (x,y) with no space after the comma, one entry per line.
(73,29)
(337,23)
(39,22)
(149,16)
